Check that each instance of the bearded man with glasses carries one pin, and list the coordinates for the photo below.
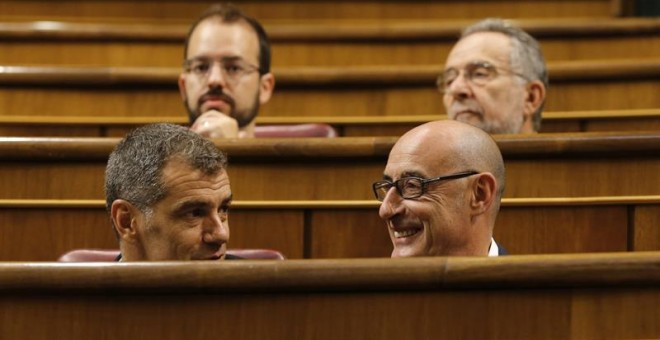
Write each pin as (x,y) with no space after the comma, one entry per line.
(226,73)
(495,78)
(441,191)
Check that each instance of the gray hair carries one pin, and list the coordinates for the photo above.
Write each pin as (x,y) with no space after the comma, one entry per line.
(135,166)
(526,55)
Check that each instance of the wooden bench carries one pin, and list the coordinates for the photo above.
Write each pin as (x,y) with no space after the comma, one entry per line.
(332,91)
(306,11)
(42,230)
(319,44)
(544,165)
(541,297)
(356,126)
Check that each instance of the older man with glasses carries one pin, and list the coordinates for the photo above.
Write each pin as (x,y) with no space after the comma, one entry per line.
(495,78)
(226,73)
(441,191)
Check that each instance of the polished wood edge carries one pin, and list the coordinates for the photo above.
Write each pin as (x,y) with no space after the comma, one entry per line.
(336,31)
(610,144)
(377,274)
(344,204)
(317,76)
(353,120)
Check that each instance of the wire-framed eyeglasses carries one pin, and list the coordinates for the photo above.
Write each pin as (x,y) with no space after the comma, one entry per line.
(412,187)
(232,70)
(478,73)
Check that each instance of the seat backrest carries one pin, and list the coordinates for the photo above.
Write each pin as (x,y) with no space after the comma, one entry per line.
(297,130)
(110,255)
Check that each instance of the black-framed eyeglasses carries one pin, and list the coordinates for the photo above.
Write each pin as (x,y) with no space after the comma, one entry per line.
(412,187)
(478,73)
(232,69)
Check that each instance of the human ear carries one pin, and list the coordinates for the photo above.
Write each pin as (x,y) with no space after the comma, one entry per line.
(182,86)
(125,219)
(535,95)
(266,86)
(484,192)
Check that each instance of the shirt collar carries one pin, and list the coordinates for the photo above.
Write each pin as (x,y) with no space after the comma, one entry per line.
(494,250)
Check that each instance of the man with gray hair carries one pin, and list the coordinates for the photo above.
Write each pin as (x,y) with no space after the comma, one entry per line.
(495,78)
(168,195)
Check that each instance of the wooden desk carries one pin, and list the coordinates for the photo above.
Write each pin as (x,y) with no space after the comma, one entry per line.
(540,297)
(544,165)
(320,43)
(43,230)
(316,91)
(356,126)
(181,11)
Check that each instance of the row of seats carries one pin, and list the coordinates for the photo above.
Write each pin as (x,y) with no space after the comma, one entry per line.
(624,80)
(42,230)
(608,85)
(321,126)
(318,44)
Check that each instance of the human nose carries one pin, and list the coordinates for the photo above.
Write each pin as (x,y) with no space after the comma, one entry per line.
(391,205)
(461,86)
(216,230)
(216,75)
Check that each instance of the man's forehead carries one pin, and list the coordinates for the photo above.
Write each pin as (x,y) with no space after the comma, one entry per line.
(491,47)
(214,36)
(408,160)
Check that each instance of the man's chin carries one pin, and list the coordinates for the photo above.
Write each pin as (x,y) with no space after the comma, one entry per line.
(405,252)
(467,117)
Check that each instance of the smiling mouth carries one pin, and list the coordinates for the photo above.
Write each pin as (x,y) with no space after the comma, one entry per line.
(405,233)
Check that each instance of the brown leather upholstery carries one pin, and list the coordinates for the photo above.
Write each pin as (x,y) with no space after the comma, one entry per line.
(297,130)
(109,255)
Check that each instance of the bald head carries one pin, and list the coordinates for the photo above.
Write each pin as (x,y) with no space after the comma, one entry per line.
(441,190)
(454,146)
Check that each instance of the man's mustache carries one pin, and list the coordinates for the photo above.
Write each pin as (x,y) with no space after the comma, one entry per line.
(216,94)
(471,106)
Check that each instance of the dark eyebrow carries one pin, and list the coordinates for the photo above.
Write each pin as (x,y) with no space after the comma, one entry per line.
(188,205)
(228,200)
(412,174)
(405,174)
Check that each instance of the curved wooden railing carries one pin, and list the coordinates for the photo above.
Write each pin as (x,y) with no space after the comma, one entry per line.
(532,271)
(349,32)
(539,145)
(381,76)
(347,126)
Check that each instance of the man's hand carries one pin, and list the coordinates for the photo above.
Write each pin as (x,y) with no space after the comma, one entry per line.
(215,124)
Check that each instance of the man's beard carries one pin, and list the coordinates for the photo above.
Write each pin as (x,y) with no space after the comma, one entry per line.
(243,117)
(507,126)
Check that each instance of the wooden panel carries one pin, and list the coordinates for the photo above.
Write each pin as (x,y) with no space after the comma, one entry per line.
(601,315)
(646,234)
(59,180)
(539,230)
(515,297)
(349,179)
(44,234)
(544,165)
(349,233)
(365,91)
(335,44)
(581,177)
(377,315)
(318,101)
(355,126)
(526,230)
(33,232)
(169,11)
(280,229)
